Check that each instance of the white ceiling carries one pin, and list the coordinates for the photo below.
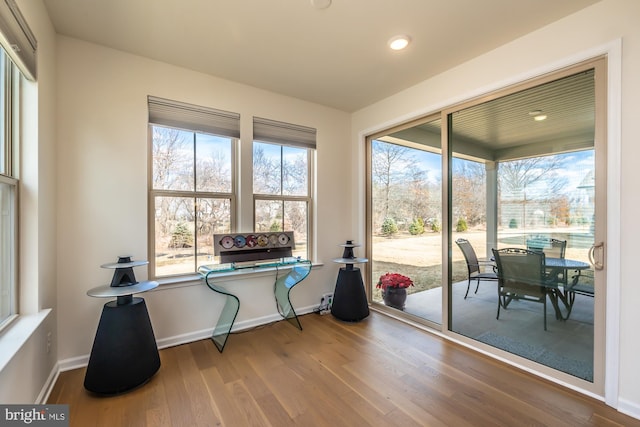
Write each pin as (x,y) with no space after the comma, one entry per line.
(336,56)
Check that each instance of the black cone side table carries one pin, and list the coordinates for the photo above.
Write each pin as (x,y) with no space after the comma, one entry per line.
(349,297)
(124,353)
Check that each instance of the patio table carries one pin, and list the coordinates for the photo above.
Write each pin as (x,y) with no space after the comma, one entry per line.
(565,293)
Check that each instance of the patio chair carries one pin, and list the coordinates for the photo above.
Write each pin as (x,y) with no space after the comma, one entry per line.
(582,283)
(476,268)
(521,276)
(552,248)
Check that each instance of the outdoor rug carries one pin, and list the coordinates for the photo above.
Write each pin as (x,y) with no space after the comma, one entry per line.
(540,355)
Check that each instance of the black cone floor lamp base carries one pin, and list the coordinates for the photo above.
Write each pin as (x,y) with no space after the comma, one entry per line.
(124,353)
(349,297)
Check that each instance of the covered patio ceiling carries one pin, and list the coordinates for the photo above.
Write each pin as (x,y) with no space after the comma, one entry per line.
(505,128)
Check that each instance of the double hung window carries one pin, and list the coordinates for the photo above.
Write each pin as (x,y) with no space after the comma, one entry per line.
(282,159)
(9,85)
(192,183)
(17,63)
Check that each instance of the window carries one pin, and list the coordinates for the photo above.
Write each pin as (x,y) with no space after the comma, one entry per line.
(282,159)
(192,183)
(9,84)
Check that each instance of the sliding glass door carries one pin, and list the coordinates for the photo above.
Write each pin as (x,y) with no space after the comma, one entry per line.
(531,156)
(519,176)
(406,220)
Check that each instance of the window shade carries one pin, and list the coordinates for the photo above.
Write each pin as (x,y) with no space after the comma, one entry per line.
(267,130)
(17,39)
(181,115)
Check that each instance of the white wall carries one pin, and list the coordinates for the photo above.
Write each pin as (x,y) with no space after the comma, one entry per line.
(102,189)
(572,37)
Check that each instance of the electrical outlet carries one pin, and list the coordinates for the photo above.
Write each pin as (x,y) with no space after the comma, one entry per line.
(327,300)
(48,342)
(325,303)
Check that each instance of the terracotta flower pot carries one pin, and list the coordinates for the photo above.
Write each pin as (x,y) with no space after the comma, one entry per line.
(395,297)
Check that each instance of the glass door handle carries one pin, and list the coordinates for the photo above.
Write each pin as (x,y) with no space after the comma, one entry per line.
(599,264)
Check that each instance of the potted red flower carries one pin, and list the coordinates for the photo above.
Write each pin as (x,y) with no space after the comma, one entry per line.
(394,289)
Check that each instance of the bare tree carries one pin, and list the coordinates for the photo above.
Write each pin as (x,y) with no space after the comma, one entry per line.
(213,172)
(266,172)
(285,174)
(517,175)
(170,150)
(525,180)
(469,191)
(389,163)
(294,174)
(172,154)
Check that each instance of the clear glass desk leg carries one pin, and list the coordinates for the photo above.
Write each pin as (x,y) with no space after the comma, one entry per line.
(227,317)
(282,288)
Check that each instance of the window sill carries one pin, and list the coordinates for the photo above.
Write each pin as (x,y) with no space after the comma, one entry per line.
(18,333)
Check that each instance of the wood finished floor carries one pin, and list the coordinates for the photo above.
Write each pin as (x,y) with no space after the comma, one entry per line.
(377,372)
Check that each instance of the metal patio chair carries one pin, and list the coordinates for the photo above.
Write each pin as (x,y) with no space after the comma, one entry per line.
(477,269)
(522,276)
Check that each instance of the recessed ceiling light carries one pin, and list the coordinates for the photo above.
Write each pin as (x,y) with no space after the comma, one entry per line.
(321,4)
(537,115)
(399,42)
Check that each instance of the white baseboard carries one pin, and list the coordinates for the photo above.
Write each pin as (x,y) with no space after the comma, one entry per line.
(73,363)
(48,385)
(629,408)
(82,361)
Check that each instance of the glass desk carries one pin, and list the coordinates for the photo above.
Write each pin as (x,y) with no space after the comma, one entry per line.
(296,271)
